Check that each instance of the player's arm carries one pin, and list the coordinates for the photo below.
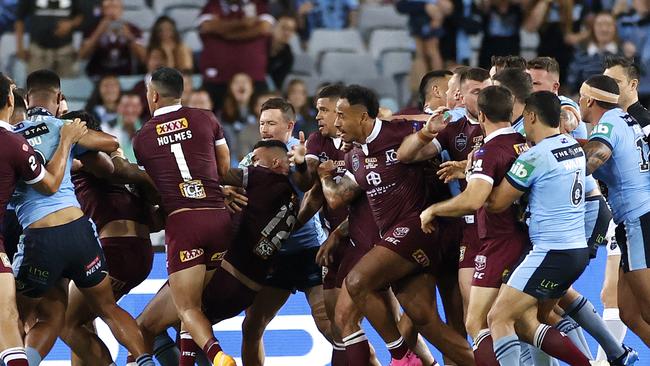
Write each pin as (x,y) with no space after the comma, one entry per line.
(302,176)
(262,26)
(470,200)
(99,141)
(420,145)
(325,255)
(234,177)
(311,203)
(337,194)
(222,153)
(98,164)
(597,153)
(503,196)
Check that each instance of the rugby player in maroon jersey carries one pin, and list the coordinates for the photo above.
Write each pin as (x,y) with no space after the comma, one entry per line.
(502,237)
(406,257)
(180,148)
(458,139)
(19,162)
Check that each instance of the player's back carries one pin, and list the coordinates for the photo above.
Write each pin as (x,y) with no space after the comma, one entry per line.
(458,139)
(42,132)
(553,171)
(177,149)
(627,172)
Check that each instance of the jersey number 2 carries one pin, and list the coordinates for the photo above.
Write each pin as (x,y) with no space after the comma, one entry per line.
(177,150)
(644,165)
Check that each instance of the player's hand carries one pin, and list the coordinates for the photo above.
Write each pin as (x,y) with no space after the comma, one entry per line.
(235,198)
(63,28)
(426,220)
(73,131)
(298,152)
(385,114)
(305,8)
(326,168)
(126,33)
(450,170)
(325,255)
(437,121)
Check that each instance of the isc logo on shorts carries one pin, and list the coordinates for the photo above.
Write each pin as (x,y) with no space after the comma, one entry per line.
(192,189)
(188,255)
(172,126)
(421,258)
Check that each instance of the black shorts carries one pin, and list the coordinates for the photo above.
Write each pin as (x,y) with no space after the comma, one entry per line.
(597,218)
(295,271)
(11,230)
(67,251)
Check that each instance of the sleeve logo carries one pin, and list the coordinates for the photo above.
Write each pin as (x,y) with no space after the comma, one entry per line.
(172,126)
(522,170)
(603,129)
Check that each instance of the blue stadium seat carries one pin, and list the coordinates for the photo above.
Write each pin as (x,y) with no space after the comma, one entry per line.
(185,16)
(395,63)
(161,6)
(303,64)
(128,82)
(337,66)
(143,18)
(373,17)
(384,40)
(324,40)
(77,89)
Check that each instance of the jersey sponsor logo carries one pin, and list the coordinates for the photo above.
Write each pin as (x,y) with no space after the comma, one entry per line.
(355,162)
(172,126)
(480,262)
(463,248)
(373,178)
(322,157)
(324,271)
(477,165)
(193,189)
(5,259)
(188,255)
(391,157)
(35,131)
(522,170)
(568,153)
(521,148)
(548,284)
(460,142)
(421,258)
(93,266)
(370,163)
(218,257)
(603,129)
(401,232)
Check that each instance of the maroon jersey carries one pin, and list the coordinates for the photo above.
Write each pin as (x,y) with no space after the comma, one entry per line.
(104,202)
(364,233)
(323,149)
(265,223)
(177,149)
(18,162)
(459,138)
(395,190)
(491,163)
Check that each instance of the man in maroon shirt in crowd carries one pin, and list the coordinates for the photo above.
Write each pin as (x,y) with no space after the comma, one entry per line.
(235,40)
(180,148)
(502,237)
(405,258)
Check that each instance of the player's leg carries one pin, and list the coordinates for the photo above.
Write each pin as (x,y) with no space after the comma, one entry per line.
(11,342)
(480,302)
(49,316)
(411,336)
(347,318)
(159,314)
(630,310)
(434,57)
(608,294)
(417,294)
(330,297)
(265,307)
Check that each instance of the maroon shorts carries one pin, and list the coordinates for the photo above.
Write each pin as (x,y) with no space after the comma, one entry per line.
(5,263)
(330,273)
(470,245)
(496,259)
(407,239)
(353,255)
(225,297)
(451,232)
(197,237)
(129,261)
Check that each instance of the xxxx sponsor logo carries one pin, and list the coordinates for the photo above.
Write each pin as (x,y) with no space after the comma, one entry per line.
(188,255)
(216,257)
(172,126)
(421,258)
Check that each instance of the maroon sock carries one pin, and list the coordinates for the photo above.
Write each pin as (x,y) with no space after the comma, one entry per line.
(211,348)
(357,349)
(18,362)
(188,350)
(338,355)
(14,357)
(558,345)
(484,349)
(397,349)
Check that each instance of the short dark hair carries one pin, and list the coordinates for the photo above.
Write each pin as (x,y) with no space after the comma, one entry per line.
(496,103)
(331,91)
(517,81)
(507,62)
(43,80)
(360,95)
(607,84)
(475,74)
(19,101)
(130,93)
(546,105)
(288,112)
(91,121)
(271,144)
(168,82)
(631,69)
(460,69)
(545,63)
(5,89)
(425,83)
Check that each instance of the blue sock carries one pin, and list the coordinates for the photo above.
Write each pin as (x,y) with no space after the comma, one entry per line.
(583,312)
(508,350)
(33,357)
(165,350)
(145,360)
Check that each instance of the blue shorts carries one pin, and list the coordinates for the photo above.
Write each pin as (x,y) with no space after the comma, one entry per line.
(597,218)
(633,237)
(68,251)
(548,274)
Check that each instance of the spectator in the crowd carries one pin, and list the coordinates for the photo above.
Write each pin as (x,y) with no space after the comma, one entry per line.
(236,109)
(634,28)
(127,122)
(165,36)
(235,40)
(329,14)
(200,98)
(104,100)
(305,114)
(561,27)
(7,15)
(114,46)
(280,54)
(156,58)
(502,20)
(589,60)
(188,86)
(92,14)
(51,24)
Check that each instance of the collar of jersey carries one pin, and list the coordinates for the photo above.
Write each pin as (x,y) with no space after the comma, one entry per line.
(612,112)
(38,111)
(376,128)
(337,142)
(471,120)
(500,131)
(6,126)
(168,109)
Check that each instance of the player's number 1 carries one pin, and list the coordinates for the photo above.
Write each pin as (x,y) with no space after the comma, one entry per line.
(177,150)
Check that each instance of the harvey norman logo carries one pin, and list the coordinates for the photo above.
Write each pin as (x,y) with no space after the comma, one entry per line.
(172,126)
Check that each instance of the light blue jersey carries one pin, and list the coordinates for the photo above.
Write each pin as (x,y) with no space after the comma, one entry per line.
(553,172)
(627,172)
(42,133)
(309,235)
(518,126)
